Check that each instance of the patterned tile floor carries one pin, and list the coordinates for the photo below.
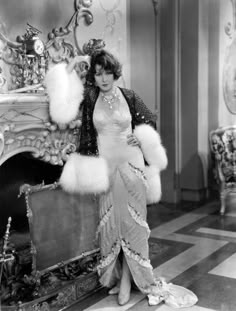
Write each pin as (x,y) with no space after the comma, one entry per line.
(192,246)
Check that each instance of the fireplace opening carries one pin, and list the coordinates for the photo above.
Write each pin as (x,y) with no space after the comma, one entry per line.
(16,171)
(60,245)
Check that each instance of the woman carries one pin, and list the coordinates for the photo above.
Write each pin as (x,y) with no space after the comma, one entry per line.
(117,137)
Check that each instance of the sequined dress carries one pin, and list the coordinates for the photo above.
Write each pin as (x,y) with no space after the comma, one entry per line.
(123,211)
(123,227)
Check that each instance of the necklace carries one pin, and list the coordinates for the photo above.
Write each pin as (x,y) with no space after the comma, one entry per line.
(110,99)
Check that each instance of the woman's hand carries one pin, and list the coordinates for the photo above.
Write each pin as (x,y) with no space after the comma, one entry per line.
(78,63)
(132,140)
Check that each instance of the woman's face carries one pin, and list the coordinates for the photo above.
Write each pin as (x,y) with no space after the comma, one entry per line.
(104,79)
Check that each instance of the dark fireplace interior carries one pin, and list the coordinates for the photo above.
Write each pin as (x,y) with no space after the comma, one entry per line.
(18,279)
(16,171)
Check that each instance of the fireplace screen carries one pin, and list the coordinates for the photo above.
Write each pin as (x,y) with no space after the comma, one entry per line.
(62,226)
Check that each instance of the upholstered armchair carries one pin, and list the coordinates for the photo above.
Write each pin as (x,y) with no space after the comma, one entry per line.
(223,148)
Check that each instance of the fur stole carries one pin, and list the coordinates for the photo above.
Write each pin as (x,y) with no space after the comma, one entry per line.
(65,91)
(155,155)
(89,174)
(85,174)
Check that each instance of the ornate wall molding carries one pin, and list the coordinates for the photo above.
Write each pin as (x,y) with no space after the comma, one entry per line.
(229,69)
(229,27)
(112,14)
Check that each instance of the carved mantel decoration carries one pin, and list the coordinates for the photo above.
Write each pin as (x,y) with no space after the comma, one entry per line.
(24,121)
(25,127)
(229,70)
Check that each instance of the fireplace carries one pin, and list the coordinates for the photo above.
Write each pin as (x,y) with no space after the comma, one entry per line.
(32,150)
(51,232)
(51,255)
(21,169)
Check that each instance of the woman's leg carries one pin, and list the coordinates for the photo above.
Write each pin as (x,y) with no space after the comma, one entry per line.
(125,283)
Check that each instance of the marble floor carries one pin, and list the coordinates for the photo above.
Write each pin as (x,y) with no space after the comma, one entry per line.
(192,246)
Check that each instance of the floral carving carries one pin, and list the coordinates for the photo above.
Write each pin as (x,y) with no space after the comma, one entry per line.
(111,16)
(47,143)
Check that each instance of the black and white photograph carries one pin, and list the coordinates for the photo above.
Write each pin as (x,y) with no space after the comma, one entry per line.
(117,155)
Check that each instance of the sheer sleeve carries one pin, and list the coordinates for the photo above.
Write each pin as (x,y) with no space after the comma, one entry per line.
(142,114)
(139,111)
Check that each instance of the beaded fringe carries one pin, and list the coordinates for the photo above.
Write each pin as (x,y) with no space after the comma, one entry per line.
(139,173)
(106,261)
(104,219)
(134,255)
(137,218)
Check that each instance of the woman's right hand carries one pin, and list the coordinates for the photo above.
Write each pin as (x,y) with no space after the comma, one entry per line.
(76,61)
(132,140)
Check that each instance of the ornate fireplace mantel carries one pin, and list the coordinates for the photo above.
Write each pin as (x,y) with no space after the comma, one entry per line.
(24,113)
(25,127)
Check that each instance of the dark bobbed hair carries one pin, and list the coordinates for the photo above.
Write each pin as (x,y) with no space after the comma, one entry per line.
(107,61)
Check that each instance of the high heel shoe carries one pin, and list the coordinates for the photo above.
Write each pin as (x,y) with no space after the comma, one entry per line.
(114,290)
(124,294)
(125,284)
(123,298)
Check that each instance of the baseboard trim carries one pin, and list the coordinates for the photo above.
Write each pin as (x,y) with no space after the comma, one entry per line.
(194,195)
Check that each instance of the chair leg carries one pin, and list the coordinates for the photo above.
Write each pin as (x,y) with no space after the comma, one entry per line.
(222,201)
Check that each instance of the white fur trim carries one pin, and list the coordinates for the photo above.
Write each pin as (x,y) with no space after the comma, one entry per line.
(153,190)
(152,148)
(85,174)
(65,91)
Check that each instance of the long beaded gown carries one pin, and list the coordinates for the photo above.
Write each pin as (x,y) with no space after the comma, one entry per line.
(123,223)
(123,227)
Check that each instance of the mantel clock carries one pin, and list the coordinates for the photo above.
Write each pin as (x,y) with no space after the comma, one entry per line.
(34,46)
(34,57)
